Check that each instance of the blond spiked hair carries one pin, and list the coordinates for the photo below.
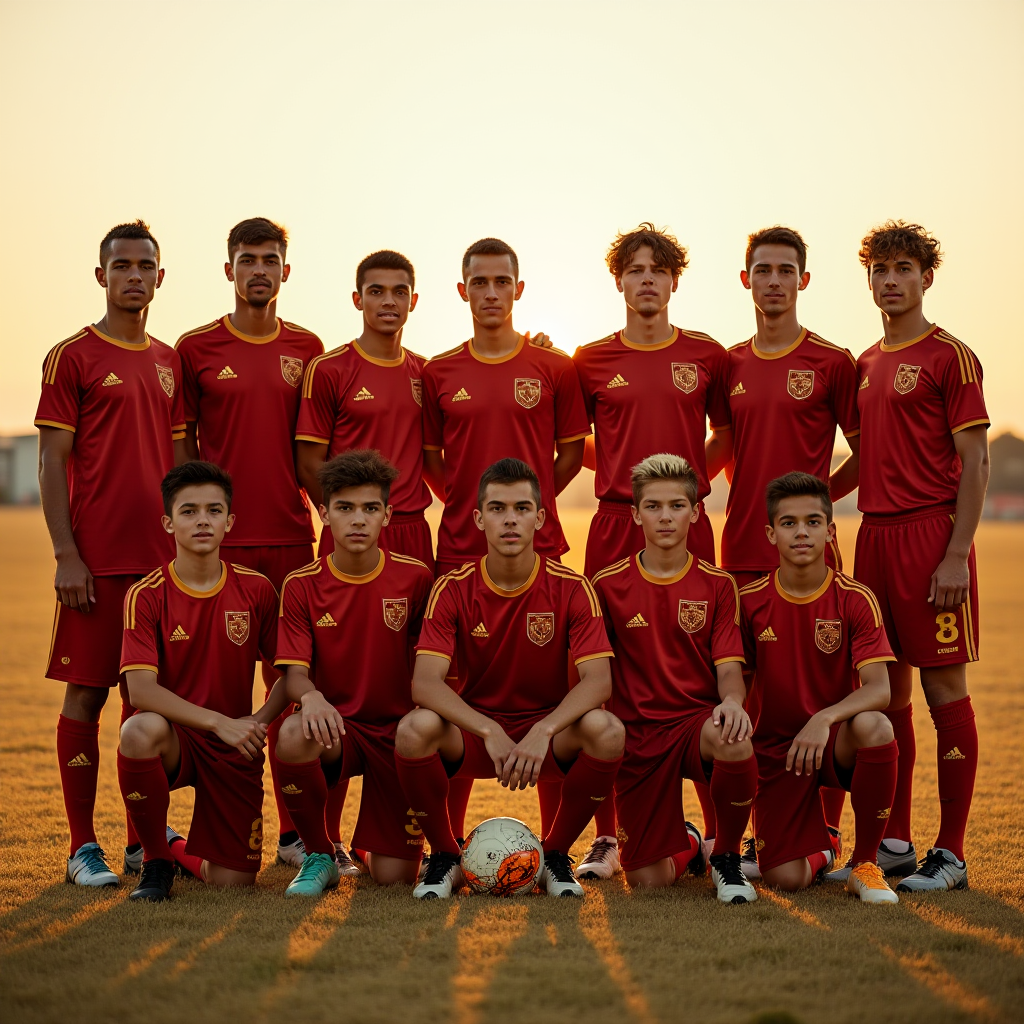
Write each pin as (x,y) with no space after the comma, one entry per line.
(664,466)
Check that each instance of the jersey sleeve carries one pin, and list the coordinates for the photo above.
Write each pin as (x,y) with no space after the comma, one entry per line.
(418,604)
(189,380)
(868,642)
(61,398)
(433,419)
(294,626)
(268,608)
(718,392)
(602,600)
(843,394)
(588,638)
(139,646)
(440,626)
(726,639)
(961,389)
(571,420)
(747,636)
(318,409)
(578,360)
(178,400)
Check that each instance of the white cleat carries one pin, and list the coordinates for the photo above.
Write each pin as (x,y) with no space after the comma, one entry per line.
(556,877)
(347,864)
(89,867)
(940,871)
(731,883)
(602,859)
(442,877)
(897,864)
(133,860)
(867,882)
(748,859)
(293,854)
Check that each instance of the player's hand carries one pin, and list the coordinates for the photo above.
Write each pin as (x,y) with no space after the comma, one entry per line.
(499,746)
(246,735)
(320,720)
(525,760)
(733,721)
(73,583)
(540,339)
(951,583)
(809,747)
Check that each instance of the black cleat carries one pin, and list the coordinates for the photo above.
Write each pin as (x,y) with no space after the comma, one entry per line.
(556,877)
(442,877)
(155,884)
(731,883)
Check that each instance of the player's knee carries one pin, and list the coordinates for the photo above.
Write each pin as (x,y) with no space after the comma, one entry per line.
(292,746)
(84,703)
(605,733)
(871,729)
(788,877)
(143,734)
(739,750)
(417,732)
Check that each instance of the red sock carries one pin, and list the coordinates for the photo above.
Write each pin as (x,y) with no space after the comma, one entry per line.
(832,803)
(604,820)
(147,796)
(707,809)
(189,861)
(78,755)
(957,749)
(871,795)
(425,783)
(903,732)
(131,837)
(589,781)
(733,786)
(683,858)
(303,789)
(285,823)
(459,792)
(335,805)
(817,862)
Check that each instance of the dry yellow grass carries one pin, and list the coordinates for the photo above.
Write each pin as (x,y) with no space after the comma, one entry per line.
(367,955)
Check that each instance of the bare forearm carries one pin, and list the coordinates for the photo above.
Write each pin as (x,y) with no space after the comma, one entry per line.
(730,681)
(434,693)
(191,441)
(846,477)
(718,452)
(433,471)
(970,503)
(277,701)
(586,695)
(148,695)
(297,682)
(56,501)
(872,696)
(568,463)
(309,457)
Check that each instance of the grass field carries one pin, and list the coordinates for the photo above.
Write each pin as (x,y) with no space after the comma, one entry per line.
(372,956)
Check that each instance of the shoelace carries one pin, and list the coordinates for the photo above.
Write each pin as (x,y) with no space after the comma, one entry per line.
(312,865)
(440,864)
(600,849)
(154,871)
(869,875)
(933,864)
(95,859)
(750,848)
(728,866)
(560,866)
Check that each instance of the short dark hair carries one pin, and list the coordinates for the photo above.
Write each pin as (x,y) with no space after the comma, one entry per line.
(356,467)
(778,235)
(667,251)
(137,228)
(190,474)
(895,237)
(797,485)
(384,259)
(508,471)
(664,466)
(490,247)
(256,231)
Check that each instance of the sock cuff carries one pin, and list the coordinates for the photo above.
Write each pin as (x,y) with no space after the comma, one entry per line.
(949,716)
(137,764)
(300,767)
(882,754)
(901,716)
(599,764)
(416,762)
(77,728)
(736,767)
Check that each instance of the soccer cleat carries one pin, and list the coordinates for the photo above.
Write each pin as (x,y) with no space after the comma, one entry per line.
(840,874)
(318,873)
(176,837)
(292,854)
(156,881)
(602,859)
(699,861)
(556,877)
(443,874)
(89,867)
(836,838)
(897,864)
(731,883)
(939,871)
(348,864)
(424,862)
(133,859)
(748,859)
(867,881)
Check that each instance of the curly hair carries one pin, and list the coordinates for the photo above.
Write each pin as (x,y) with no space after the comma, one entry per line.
(667,251)
(896,237)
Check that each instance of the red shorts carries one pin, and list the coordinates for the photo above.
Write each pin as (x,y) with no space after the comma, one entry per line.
(274,561)
(648,789)
(227,821)
(85,648)
(788,820)
(833,557)
(896,556)
(386,824)
(614,536)
(408,533)
(476,763)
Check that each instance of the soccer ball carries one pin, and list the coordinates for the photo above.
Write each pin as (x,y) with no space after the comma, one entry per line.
(502,856)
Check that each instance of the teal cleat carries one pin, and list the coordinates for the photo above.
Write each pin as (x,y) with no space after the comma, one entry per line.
(89,867)
(319,872)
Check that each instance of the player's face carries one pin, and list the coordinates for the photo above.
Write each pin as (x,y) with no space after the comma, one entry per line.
(199,518)
(801,530)
(356,515)
(490,287)
(258,271)
(386,301)
(774,278)
(132,274)
(509,518)
(647,288)
(898,285)
(665,513)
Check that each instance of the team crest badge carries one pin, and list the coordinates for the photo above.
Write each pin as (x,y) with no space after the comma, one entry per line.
(692,615)
(540,627)
(396,611)
(828,634)
(166,375)
(238,626)
(684,376)
(417,390)
(291,370)
(906,378)
(527,392)
(800,383)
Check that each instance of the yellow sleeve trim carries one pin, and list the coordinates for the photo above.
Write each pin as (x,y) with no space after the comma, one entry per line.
(594,657)
(435,654)
(725,661)
(140,668)
(971,423)
(286,661)
(178,435)
(433,447)
(873,661)
(851,433)
(724,426)
(54,423)
(310,437)
(575,437)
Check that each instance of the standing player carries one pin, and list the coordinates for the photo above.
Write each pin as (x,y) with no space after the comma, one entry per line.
(110,425)
(674,620)
(242,386)
(193,632)
(809,631)
(514,617)
(923,479)
(353,616)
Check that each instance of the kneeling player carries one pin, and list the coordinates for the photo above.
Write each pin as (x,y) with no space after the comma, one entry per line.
(352,617)
(674,624)
(514,617)
(808,631)
(194,630)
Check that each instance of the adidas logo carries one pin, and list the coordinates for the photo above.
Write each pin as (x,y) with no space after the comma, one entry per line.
(954,755)
(227,374)
(597,799)
(768,634)
(742,803)
(79,761)
(111,379)
(135,795)
(884,813)
(326,620)
(461,396)
(291,789)
(637,620)
(362,395)
(480,631)
(179,634)
(618,381)
(863,384)
(738,390)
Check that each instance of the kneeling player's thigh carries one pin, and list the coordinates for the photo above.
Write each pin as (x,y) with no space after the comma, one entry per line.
(649,806)
(387,824)
(788,820)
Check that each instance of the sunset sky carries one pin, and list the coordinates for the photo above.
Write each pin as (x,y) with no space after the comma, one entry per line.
(423,126)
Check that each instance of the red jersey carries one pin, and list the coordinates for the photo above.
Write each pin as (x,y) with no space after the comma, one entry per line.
(805,652)
(356,633)
(353,400)
(644,399)
(480,410)
(244,394)
(203,645)
(511,646)
(668,635)
(784,408)
(913,398)
(123,403)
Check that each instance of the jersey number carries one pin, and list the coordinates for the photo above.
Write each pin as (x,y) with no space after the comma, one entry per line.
(947,628)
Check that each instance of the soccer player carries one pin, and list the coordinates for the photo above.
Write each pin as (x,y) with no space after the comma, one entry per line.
(354,616)
(514,617)
(110,422)
(809,633)
(242,386)
(673,620)
(924,472)
(194,630)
